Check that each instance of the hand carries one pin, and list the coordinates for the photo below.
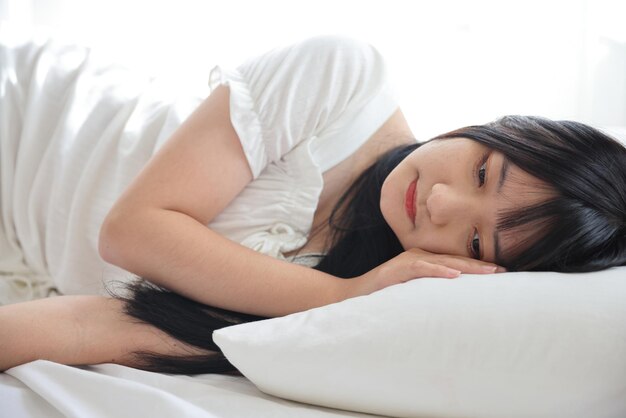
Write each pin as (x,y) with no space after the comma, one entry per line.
(415,264)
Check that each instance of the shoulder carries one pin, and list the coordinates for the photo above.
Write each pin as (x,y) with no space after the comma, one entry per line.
(340,46)
(393,133)
(335,42)
(328,49)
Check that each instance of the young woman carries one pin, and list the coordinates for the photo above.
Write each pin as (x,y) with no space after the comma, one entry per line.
(297,172)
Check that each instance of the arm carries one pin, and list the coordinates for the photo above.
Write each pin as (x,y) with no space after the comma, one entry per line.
(77,330)
(157,228)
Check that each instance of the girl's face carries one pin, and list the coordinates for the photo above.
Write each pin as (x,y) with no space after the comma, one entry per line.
(460,186)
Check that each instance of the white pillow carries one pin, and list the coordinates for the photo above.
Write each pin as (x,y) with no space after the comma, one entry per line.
(505,345)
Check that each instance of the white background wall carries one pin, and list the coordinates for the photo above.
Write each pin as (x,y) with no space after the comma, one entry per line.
(453,62)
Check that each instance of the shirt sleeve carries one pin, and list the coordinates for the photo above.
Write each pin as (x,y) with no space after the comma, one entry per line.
(326,86)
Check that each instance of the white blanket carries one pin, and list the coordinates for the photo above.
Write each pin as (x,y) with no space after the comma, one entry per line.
(74,132)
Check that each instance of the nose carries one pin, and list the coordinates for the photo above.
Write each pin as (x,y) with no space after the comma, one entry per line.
(445,204)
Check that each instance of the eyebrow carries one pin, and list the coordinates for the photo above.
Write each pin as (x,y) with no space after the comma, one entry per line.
(496,234)
(503,172)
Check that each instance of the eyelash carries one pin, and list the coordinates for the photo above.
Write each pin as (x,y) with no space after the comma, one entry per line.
(479,167)
(481,172)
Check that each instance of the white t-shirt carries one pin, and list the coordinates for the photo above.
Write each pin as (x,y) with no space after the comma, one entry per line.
(74,133)
(298,112)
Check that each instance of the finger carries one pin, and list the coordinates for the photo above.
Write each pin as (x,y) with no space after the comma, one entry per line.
(422,268)
(457,262)
(470,266)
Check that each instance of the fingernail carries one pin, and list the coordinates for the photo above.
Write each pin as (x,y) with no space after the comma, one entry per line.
(501,270)
(453,272)
(489,269)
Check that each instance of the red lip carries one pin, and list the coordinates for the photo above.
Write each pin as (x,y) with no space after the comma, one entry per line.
(409,202)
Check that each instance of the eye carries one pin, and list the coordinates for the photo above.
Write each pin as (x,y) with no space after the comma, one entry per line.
(481,173)
(482,170)
(475,245)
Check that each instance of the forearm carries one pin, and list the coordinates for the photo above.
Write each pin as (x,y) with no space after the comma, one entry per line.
(25,333)
(174,250)
(77,330)
(68,329)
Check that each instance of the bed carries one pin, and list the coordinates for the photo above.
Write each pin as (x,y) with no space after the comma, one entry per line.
(508,345)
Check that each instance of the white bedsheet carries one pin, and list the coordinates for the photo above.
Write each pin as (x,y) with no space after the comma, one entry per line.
(46,389)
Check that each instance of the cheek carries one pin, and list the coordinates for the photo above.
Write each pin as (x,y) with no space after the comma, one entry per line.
(427,239)
(387,199)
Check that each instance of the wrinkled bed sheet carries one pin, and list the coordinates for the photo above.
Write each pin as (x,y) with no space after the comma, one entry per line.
(47,389)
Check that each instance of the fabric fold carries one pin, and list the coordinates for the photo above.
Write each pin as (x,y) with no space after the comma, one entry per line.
(244,116)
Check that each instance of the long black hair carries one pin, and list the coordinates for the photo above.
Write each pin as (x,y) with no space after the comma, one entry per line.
(582,228)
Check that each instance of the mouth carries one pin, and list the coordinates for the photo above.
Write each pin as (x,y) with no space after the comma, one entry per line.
(410,198)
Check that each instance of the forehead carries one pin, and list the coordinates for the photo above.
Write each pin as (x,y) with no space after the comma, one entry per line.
(454,142)
(520,190)
(520,185)
(459,148)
